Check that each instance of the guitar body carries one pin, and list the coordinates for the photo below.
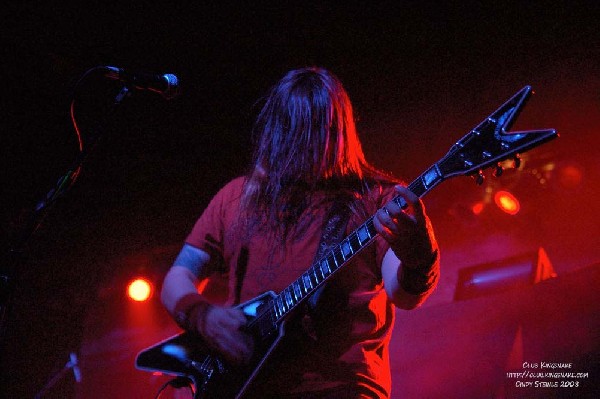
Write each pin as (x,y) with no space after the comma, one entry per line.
(485,146)
(186,355)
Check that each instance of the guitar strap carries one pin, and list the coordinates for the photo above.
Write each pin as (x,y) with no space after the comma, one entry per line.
(333,232)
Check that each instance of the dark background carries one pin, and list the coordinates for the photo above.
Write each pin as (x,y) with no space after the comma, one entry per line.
(420,75)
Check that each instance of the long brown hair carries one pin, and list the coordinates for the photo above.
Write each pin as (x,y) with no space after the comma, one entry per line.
(305,142)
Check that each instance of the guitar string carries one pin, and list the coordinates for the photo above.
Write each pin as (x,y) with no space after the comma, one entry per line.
(269,312)
(418,186)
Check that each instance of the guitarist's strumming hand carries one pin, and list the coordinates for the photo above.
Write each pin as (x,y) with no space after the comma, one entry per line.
(221,328)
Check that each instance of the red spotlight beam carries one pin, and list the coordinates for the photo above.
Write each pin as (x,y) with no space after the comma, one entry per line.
(507,202)
(139,290)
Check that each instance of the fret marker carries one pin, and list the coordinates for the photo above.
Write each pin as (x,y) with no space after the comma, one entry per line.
(363,234)
(307,283)
(280,304)
(297,292)
(325,268)
(346,249)
(431,176)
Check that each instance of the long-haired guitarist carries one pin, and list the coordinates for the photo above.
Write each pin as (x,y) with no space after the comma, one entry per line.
(264,230)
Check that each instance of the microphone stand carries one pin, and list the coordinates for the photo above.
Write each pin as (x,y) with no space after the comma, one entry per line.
(14,257)
(71,364)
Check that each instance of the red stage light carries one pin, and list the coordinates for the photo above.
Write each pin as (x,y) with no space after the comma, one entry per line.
(139,290)
(477,208)
(507,202)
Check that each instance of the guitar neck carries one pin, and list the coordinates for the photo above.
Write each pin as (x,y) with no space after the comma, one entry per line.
(341,254)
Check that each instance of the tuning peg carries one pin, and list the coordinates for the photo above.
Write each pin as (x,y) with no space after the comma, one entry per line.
(498,171)
(479,177)
(517,161)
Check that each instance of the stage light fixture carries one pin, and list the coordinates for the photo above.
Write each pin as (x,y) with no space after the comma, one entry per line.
(507,202)
(477,208)
(139,290)
(518,271)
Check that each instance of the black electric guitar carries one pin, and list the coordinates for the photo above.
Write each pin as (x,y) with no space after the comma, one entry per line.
(186,356)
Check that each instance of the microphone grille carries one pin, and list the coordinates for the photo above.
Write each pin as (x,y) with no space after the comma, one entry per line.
(172,86)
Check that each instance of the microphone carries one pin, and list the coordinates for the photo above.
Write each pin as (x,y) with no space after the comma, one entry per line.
(166,85)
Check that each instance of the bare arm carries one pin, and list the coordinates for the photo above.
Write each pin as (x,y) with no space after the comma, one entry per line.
(391,270)
(410,268)
(182,278)
(219,326)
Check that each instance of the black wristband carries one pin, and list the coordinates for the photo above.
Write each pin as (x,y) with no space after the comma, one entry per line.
(420,279)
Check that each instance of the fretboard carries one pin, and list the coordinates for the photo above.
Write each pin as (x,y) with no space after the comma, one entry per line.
(340,255)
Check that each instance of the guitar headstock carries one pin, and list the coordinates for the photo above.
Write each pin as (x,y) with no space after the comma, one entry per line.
(490,143)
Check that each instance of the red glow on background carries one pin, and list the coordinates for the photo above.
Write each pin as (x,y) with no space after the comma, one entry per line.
(507,202)
(139,290)
(570,176)
(478,208)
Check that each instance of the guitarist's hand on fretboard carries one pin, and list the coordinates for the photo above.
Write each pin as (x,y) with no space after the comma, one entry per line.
(406,230)
(222,331)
